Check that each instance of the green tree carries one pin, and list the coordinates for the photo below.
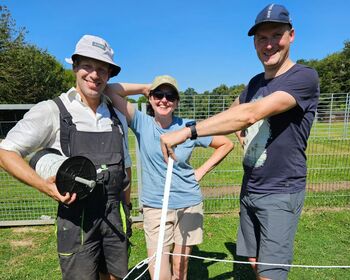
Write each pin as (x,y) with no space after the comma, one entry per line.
(27,73)
(334,73)
(218,99)
(69,78)
(344,70)
(187,105)
(142,99)
(333,70)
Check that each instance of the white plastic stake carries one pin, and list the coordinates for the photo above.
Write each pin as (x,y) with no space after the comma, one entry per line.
(163,218)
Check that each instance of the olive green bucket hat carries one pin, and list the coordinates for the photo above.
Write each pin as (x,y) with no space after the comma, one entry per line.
(164,79)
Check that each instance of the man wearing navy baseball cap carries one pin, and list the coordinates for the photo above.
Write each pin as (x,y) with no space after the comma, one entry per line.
(272,119)
(271,13)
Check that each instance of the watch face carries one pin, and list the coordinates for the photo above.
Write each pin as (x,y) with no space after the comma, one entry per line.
(190,123)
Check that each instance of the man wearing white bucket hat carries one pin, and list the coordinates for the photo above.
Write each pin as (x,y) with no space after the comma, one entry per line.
(81,122)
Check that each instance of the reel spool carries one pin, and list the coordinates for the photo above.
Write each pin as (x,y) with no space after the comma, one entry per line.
(74,174)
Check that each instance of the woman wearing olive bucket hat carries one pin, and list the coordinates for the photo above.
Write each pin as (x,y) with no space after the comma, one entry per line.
(184,223)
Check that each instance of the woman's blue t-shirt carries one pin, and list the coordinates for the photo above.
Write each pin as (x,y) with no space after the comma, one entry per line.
(184,189)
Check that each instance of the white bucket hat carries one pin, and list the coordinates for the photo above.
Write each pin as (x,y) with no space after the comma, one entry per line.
(96,48)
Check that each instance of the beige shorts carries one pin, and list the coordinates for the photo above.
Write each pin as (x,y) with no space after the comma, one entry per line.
(183,226)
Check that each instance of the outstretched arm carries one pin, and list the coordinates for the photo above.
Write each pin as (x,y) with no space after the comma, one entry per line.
(126,89)
(233,119)
(239,133)
(117,91)
(222,146)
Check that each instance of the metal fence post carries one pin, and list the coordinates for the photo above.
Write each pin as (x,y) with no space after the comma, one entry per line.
(208,113)
(194,106)
(330,115)
(139,218)
(346,117)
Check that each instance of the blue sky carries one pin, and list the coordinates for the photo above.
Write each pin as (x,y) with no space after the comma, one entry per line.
(201,43)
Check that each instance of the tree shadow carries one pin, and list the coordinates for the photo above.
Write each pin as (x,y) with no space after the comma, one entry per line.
(198,269)
(240,271)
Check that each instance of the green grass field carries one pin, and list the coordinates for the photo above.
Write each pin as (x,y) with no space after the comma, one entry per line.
(322,239)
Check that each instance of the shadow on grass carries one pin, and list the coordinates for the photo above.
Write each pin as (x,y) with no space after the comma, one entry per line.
(198,269)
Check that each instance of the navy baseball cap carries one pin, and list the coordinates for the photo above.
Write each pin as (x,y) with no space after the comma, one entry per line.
(271,13)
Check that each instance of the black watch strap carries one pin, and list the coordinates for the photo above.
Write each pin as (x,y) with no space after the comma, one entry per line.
(192,126)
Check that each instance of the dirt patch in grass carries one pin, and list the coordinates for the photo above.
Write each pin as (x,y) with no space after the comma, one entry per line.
(313,210)
(32,229)
(138,225)
(22,243)
(235,190)
(221,191)
(221,215)
(328,187)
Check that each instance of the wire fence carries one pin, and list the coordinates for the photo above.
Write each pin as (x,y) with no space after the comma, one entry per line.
(328,153)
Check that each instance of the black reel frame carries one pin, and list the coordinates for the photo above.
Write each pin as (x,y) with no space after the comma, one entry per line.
(77,166)
(71,168)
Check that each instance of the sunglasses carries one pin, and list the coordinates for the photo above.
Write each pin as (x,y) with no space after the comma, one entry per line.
(169,95)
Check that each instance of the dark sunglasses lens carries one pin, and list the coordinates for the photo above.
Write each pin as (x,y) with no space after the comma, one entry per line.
(158,94)
(170,96)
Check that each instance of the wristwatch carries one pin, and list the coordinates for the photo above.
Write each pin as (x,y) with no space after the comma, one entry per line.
(192,126)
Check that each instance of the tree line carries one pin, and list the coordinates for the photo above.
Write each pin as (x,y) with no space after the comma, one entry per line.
(29,74)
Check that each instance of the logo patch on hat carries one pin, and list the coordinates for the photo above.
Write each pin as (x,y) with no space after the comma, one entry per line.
(95,44)
(269,11)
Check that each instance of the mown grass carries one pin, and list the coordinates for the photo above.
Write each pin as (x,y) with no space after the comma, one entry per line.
(322,239)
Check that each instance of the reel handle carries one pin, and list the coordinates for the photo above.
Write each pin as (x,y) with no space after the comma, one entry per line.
(90,183)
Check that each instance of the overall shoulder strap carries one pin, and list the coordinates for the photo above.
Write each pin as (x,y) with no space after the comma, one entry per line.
(117,124)
(114,118)
(66,124)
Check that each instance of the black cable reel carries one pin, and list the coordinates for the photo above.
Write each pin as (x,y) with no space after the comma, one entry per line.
(75,174)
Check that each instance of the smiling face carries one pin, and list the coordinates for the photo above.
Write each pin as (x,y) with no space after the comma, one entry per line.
(272,42)
(91,78)
(164,101)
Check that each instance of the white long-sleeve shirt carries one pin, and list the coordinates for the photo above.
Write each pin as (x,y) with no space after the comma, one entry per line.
(40,126)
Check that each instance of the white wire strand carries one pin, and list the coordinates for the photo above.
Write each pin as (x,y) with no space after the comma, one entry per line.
(260,263)
(146,261)
(138,266)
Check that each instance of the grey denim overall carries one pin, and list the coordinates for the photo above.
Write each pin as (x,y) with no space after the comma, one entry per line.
(86,225)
